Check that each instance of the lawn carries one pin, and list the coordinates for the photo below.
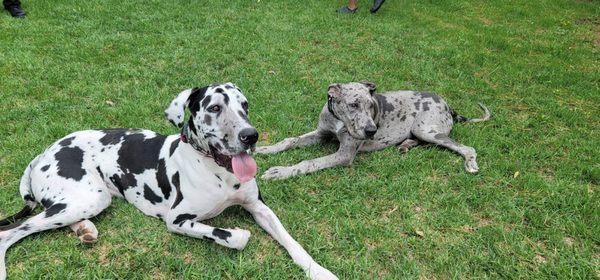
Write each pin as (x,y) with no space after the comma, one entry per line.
(532,212)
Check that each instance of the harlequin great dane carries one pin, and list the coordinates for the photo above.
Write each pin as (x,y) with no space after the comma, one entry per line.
(181,179)
(364,121)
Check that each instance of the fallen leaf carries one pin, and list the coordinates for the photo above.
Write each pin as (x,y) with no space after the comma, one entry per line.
(516,174)
(110,103)
(264,137)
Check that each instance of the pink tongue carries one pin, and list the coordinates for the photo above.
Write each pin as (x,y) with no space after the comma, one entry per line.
(244,167)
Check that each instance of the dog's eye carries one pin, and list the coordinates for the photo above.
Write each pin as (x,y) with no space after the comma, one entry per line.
(354,105)
(214,108)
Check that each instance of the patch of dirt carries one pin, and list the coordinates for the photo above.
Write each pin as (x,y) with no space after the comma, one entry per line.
(103,254)
(539,259)
(591,21)
(568,241)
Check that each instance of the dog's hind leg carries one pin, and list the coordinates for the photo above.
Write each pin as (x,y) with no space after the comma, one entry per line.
(431,135)
(289,143)
(407,145)
(86,231)
(63,212)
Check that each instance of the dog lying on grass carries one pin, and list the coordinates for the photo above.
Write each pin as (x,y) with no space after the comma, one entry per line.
(364,121)
(181,179)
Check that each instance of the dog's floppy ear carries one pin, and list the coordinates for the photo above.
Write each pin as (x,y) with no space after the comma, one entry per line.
(372,87)
(334,90)
(176,110)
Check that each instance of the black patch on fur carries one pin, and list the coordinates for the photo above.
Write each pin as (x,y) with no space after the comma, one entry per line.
(55,209)
(425,106)
(179,196)
(25,228)
(123,182)
(69,163)
(222,234)
(113,136)
(28,197)
(100,172)
(226,98)
(384,106)
(163,179)
(174,145)
(195,98)
(207,119)
(46,202)
(138,154)
(236,186)
(67,141)
(417,105)
(219,90)
(206,101)
(218,177)
(182,218)
(243,115)
(209,238)
(192,127)
(435,98)
(228,87)
(151,196)
(45,168)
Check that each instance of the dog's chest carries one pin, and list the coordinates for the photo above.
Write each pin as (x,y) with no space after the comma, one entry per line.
(206,193)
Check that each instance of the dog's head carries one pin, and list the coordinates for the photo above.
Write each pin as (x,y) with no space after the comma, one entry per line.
(218,124)
(355,106)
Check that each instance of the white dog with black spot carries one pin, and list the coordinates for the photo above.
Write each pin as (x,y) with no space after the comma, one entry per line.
(181,179)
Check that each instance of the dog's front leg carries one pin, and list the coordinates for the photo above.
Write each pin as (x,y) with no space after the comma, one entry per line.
(289,143)
(187,225)
(344,156)
(265,217)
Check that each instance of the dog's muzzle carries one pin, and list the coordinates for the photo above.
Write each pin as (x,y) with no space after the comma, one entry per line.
(370,131)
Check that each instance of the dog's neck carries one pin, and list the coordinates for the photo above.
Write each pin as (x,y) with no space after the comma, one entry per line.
(204,148)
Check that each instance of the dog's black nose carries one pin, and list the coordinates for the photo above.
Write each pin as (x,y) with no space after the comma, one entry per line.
(370,130)
(248,136)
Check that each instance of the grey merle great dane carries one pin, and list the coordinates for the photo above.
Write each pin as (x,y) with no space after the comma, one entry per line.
(181,179)
(364,121)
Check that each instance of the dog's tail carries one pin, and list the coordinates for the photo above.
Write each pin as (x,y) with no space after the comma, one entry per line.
(25,189)
(25,212)
(458,118)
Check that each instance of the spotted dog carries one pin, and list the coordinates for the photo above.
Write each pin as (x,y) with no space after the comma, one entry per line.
(181,179)
(364,121)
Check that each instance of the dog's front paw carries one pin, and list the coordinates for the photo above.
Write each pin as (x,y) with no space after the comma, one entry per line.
(471,166)
(277,173)
(239,238)
(317,272)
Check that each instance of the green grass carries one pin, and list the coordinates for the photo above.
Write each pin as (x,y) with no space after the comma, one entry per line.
(532,212)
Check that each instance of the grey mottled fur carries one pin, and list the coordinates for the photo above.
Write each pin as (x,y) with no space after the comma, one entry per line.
(402,118)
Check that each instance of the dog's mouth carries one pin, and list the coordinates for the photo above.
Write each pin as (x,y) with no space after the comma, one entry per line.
(242,165)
